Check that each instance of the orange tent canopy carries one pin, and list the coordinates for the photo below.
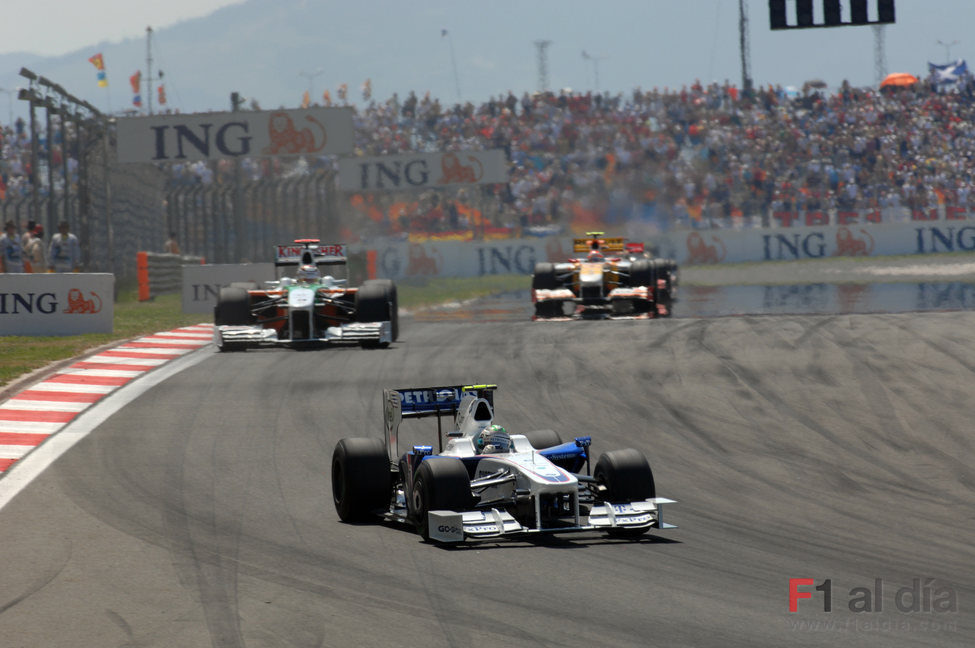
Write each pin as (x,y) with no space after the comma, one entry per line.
(898,79)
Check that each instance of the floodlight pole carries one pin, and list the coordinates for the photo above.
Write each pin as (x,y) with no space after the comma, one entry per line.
(311,76)
(947,47)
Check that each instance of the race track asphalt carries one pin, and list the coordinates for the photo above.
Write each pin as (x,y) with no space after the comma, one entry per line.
(820,447)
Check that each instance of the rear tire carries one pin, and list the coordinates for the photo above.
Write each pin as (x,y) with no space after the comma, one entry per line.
(672,276)
(544,277)
(627,476)
(440,483)
(541,439)
(361,478)
(643,272)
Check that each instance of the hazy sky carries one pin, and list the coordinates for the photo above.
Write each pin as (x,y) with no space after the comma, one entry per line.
(631,43)
(53,27)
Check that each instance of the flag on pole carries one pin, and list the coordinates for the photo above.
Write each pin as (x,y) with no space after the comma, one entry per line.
(136,82)
(343,91)
(948,74)
(162,94)
(305,100)
(367,89)
(327,98)
(99,62)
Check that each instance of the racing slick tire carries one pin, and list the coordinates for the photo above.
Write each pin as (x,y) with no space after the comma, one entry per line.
(627,476)
(668,272)
(547,309)
(544,277)
(440,483)
(233,307)
(361,478)
(376,301)
(643,272)
(541,439)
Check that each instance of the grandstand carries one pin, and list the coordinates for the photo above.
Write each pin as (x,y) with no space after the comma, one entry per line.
(703,156)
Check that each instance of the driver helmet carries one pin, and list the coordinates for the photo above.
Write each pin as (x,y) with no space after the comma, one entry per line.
(308,273)
(596,256)
(493,439)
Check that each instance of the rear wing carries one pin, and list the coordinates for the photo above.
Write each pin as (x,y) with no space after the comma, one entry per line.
(595,243)
(425,401)
(309,252)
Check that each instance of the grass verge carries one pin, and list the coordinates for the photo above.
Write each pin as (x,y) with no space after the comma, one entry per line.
(133,318)
(429,292)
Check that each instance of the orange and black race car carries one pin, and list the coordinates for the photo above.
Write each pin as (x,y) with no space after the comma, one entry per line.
(308,307)
(614,279)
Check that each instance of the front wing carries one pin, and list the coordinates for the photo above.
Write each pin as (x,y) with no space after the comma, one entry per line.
(244,336)
(453,526)
(606,309)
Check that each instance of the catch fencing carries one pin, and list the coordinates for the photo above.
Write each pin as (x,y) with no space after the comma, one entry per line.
(114,210)
(272,211)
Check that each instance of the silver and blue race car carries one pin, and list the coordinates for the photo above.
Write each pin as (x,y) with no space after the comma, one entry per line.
(482,482)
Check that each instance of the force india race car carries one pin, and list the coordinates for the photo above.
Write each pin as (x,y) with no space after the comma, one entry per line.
(471,489)
(307,308)
(614,279)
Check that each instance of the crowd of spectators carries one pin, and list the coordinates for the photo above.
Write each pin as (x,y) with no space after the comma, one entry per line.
(15,158)
(700,156)
(705,156)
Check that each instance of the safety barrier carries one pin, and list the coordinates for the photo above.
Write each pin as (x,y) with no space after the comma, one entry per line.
(159,274)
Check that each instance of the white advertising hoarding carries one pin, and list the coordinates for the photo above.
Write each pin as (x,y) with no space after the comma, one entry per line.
(708,246)
(230,135)
(422,170)
(202,283)
(56,303)
(407,260)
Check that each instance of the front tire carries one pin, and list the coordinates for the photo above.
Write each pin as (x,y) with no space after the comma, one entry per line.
(376,301)
(548,309)
(361,478)
(233,307)
(627,477)
(440,483)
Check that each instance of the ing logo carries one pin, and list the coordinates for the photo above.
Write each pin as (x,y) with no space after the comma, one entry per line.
(699,251)
(77,304)
(420,262)
(286,138)
(848,244)
(454,170)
